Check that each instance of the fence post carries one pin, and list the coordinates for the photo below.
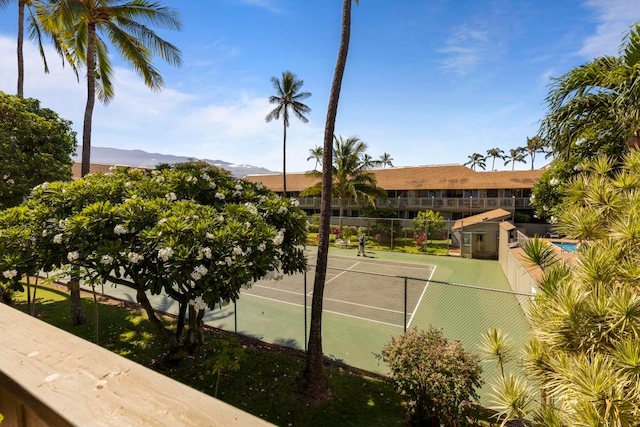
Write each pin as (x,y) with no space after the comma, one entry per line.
(305,309)
(405,303)
(391,244)
(235,317)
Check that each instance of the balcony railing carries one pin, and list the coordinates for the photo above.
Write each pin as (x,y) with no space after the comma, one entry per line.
(429,203)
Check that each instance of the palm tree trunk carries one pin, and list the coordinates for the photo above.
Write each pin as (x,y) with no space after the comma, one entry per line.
(20,50)
(316,385)
(533,158)
(493,164)
(284,161)
(91,100)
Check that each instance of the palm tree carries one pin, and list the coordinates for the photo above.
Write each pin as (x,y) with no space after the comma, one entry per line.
(86,22)
(477,160)
(496,153)
(35,33)
(287,97)
(385,160)
(595,105)
(352,179)
(535,145)
(515,155)
(316,385)
(368,162)
(584,354)
(316,154)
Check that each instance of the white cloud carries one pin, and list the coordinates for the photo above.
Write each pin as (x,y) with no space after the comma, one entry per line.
(227,126)
(465,48)
(614,19)
(265,4)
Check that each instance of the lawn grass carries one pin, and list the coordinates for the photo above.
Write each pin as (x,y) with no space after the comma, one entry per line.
(266,384)
(400,244)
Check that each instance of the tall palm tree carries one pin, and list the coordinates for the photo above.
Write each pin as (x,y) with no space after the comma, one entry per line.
(316,385)
(352,179)
(36,33)
(535,145)
(126,25)
(515,155)
(477,160)
(368,162)
(596,103)
(287,97)
(385,160)
(495,153)
(316,154)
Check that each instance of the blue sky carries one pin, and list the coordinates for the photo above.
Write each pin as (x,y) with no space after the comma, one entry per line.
(429,82)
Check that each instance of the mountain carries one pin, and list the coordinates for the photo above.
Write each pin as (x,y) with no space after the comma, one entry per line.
(139,158)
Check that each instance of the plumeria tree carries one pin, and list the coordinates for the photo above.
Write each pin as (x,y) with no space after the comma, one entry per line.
(189,231)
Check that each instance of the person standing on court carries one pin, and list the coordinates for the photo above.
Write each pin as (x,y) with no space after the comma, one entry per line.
(361,246)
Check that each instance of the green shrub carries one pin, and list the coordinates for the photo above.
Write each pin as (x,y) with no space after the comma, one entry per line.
(438,377)
(314,228)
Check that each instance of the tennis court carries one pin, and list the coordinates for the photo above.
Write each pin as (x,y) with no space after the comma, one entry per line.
(361,288)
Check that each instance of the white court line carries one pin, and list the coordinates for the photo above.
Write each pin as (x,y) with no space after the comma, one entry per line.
(328,311)
(422,295)
(334,277)
(329,299)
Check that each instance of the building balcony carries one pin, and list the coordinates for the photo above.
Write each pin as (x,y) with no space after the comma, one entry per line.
(440,204)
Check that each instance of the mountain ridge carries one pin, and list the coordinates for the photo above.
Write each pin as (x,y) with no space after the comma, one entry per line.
(144,159)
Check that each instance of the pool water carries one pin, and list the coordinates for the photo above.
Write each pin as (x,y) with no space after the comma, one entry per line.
(567,246)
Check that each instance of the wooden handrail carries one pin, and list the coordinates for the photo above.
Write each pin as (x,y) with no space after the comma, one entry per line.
(49,377)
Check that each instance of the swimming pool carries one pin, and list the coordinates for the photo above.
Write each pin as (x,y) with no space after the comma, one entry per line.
(567,246)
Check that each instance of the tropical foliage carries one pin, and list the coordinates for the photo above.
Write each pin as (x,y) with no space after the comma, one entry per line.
(386,160)
(534,146)
(437,376)
(584,355)
(430,223)
(35,146)
(190,231)
(288,98)
(352,179)
(83,26)
(593,110)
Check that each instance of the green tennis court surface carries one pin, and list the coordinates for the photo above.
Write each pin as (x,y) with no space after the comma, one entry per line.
(361,288)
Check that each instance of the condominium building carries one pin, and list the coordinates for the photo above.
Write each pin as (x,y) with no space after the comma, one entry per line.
(454,190)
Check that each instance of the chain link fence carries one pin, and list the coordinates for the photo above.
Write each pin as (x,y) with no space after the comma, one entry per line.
(362,310)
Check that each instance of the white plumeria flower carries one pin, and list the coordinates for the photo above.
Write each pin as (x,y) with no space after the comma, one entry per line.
(238,187)
(57,239)
(251,208)
(192,179)
(10,274)
(106,260)
(262,246)
(198,272)
(279,238)
(120,229)
(160,179)
(237,250)
(162,221)
(134,257)
(198,303)
(44,186)
(212,185)
(220,218)
(72,256)
(219,196)
(282,209)
(128,185)
(228,260)
(171,197)
(295,202)
(204,253)
(165,253)
(237,193)
(259,186)
(62,224)
(554,181)
(205,177)
(209,236)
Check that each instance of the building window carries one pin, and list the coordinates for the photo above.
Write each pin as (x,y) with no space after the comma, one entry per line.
(470,193)
(493,192)
(506,193)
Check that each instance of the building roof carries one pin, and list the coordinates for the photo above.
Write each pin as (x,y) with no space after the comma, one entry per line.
(441,177)
(494,215)
(505,225)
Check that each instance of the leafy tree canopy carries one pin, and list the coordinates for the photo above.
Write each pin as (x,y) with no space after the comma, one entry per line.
(190,231)
(35,146)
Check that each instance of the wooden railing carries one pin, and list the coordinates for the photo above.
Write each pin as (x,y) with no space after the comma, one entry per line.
(49,377)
